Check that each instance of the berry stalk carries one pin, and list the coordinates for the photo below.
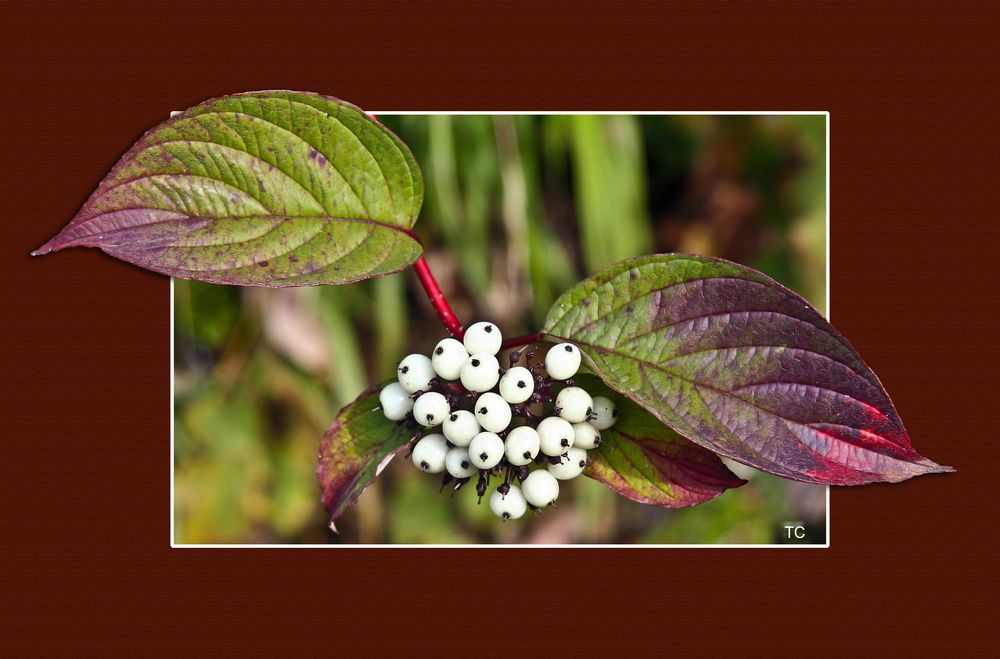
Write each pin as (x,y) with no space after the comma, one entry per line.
(517,341)
(437,298)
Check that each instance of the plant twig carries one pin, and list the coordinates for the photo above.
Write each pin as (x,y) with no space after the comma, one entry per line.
(437,298)
(516,341)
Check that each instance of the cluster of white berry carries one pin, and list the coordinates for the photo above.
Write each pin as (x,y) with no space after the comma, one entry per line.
(479,417)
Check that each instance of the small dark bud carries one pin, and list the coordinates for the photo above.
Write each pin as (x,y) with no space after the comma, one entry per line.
(424,465)
(439,351)
(475,362)
(597,441)
(506,516)
(563,442)
(483,456)
(500,370)
(514,356)
(554,459)
(465,464)
(504,489)
(589,411)
(521,384)
(583,463)
(488,329)
(481,485)
(447,478)
(526,455)
(483,410)
(570,382)
(430,418)
(458,485)
(454,417)
(522,472)
(404,369)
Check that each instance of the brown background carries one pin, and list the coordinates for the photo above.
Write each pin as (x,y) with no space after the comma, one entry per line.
(912,88)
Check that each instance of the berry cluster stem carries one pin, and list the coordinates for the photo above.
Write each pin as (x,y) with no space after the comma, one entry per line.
(516,341)
(437,298)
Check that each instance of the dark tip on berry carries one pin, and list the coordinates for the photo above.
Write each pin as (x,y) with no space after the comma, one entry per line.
(483,410)
(597,441)
(589,411)
(569,348)
(503,489)
(404,369)
(564,442)
(583,463)
(430,418)
(506,516)
(439,351)
(527,455)
(521,384)
(424,465)
(488,329)
(454,417)
(465,464)
(483,456)
(475,362)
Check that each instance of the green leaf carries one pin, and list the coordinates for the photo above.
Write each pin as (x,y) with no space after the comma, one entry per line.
(644,460)
(358,445)
(736,362)
(272,188)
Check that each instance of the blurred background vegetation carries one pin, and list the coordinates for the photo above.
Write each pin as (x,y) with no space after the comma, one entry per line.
(517,209)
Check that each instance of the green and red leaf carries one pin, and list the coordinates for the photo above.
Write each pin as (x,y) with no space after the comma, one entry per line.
(646,461)
(736,362)
(355,449)
(273,188)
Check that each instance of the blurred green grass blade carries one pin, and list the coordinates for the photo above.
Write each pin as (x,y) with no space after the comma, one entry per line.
(390,325)
(610,188)
(462,218)
(347,371)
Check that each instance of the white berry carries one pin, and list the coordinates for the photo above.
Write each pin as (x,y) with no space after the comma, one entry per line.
(415,373)
(540,488)
(517,385)
(571,466)
(458,464)
(486,450)
(508,506)
(562,361)
(460,427)
(481,372)
(430,453)
(492,412)
(605,413)
(482,337)
(574,404)
(395,401)
(431,409)
(555,435)
(448,358)
(522,445)
(585,436)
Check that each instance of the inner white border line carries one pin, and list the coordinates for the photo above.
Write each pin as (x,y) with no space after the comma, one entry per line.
(174,545)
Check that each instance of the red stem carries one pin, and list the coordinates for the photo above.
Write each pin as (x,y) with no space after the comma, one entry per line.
(437,298)
(520,341)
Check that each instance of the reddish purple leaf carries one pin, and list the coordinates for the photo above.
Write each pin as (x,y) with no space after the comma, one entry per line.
(740,364)
(646,461)
(270,188)
(359,442)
